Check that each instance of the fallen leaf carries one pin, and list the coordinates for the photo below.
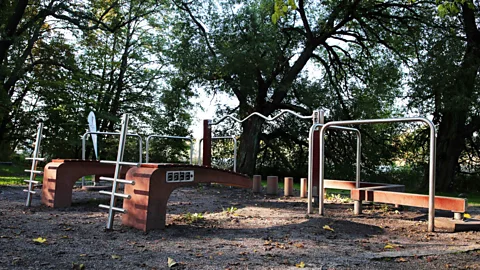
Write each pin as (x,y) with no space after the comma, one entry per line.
(467,215)
(39,240)
(171,262)
(388,246)
(328,228)
(116,257)
(76,266)
(299,245)
(83,255)
(300,265)
(401,259)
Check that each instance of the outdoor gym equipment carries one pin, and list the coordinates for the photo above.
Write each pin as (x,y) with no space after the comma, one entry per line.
(33,169)
(115,180)
(370,193)
(168,137)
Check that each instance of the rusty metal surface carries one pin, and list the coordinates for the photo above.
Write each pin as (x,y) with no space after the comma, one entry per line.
(417,200)
(349,185)
(60,176)
(147,207)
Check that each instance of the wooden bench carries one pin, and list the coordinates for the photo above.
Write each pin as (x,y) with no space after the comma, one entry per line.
(147,207)
(60,176)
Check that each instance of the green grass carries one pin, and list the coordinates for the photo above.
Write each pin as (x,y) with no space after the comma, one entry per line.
(15,174)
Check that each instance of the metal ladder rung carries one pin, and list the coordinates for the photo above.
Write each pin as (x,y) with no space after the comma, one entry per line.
(32,158)
(123,181)
(120,162)
(34,171)
(121,195)
(31,181)
(30,191)
(121,210)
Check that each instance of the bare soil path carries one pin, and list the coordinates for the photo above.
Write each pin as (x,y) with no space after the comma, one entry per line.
(239,230)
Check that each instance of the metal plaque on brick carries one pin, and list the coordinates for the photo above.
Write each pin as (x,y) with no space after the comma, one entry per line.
(179,176)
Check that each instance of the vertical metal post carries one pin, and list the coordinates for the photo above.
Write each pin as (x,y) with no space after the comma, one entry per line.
(234,153)
(38,141)
(121,146)
(207,144)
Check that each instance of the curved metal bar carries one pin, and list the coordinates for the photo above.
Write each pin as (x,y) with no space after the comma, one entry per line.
(223,137)
(262,116)
(310,161)
(431,199)
(168,137)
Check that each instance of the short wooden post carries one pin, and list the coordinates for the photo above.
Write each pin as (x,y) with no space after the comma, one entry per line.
(288,186)
(272,185)
(303,187)
(257,183)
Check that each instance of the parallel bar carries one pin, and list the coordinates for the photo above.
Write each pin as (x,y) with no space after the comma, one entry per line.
(432,161)
(121,195)
(321,176)
(121,162)
(30,191)
(121,210)
(123,181)
(458,205)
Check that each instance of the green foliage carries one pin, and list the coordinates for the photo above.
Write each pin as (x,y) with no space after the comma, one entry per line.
(281,8)
(230,210)
(193,218)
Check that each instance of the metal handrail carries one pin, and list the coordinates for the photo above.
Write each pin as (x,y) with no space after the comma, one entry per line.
(168,137)
(84,137)
(310,161)
(431,199)
(218,138)
(262,116)
(140,144)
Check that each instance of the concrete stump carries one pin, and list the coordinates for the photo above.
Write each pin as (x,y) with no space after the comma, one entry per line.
(257,183)
(288,186)
(303,187)
(272,185)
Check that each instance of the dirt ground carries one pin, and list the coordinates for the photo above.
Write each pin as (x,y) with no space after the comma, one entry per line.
(239,230)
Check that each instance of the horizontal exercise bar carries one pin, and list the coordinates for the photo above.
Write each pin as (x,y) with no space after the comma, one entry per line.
(123,181)
(121,162)
(29,191)
(34,171)
(32,158)
(31,181)
(121,210)
(125,196)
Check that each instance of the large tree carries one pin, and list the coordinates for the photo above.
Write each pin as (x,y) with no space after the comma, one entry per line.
(237,49)
(446,84)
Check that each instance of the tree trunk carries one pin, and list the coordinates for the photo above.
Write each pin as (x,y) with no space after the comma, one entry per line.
(249,145)
(450,144)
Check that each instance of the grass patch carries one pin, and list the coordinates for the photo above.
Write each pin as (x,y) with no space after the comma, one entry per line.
(15,174)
